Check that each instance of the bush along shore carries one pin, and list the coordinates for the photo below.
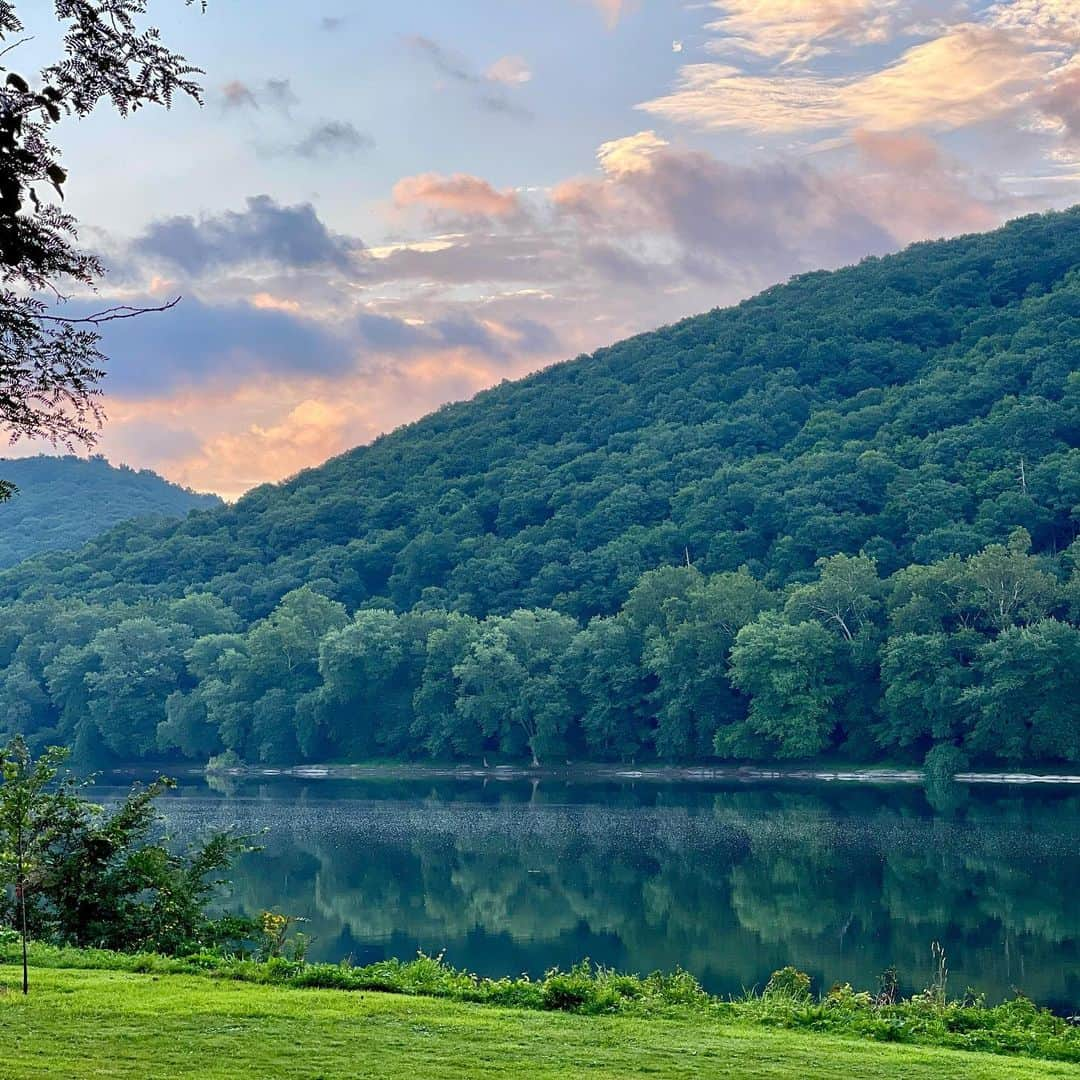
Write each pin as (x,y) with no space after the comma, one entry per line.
(788,1001)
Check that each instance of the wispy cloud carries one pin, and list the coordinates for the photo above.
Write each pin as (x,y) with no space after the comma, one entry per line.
(490,89)
(332,137)
(796,30)
(963,77)
(271,93)
(510,70)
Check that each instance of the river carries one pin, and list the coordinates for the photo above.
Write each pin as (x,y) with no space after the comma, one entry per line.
(728,880)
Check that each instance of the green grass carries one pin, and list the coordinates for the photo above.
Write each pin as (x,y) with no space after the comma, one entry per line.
(116,1024)
(928,1019)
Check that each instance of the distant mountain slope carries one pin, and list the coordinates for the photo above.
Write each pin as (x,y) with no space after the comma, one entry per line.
(887,406)
(64,501)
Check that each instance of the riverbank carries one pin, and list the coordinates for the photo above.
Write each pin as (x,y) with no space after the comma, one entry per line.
(122,1025)
(929,1018)
(657,774)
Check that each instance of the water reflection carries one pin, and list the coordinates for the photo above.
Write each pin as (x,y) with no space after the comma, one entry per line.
(729,882)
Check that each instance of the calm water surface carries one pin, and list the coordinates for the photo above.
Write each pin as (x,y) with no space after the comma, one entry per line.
(730,882)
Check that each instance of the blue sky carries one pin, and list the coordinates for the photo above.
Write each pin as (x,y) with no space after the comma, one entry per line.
(381,207)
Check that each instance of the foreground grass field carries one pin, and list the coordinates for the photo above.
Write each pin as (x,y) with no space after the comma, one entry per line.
(110,1024)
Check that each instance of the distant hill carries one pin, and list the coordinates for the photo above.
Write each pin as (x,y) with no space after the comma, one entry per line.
(621,557)
(64,501)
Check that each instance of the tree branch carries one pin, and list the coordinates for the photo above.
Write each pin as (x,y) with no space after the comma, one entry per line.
(121,311)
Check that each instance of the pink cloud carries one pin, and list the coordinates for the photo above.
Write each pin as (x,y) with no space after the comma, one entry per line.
(228,440)
(613,10)
(907,151)
(460,193)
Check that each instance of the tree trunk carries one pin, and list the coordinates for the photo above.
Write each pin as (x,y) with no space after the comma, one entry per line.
(20,891)
(25,960)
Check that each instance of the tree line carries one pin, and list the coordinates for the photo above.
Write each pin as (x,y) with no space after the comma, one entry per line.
(956,661)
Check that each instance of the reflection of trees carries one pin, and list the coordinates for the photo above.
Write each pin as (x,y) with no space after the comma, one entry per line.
(730,886)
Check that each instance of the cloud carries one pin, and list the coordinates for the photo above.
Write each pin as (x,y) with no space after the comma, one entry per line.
(665,213)
(154,440)
(511,70)
(907,181)
(266,430)
(963,77)
(490,90)
(631,154)
(460,193)
(717,96)
(198,342)
(330,23)
(1060,101)
(312,430)
(332,137)
(622,267)
(521,254)
(749,224)
(272,440)
(457,330)
(907,152)
(274,93)
(613,10)
(238,95)
(292,237)
(969,74)
(1049,21)
(793,30)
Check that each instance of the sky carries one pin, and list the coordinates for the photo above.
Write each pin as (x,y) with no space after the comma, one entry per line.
(380,208)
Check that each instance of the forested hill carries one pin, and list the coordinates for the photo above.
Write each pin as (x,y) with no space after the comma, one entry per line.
(62,502)
(486,579)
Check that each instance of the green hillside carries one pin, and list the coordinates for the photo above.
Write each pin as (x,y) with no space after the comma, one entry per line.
(486,580)
(61,502)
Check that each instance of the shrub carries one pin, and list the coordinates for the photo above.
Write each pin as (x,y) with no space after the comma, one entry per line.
(788,983)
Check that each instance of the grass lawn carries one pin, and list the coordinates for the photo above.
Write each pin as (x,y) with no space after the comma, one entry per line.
(112,1024)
